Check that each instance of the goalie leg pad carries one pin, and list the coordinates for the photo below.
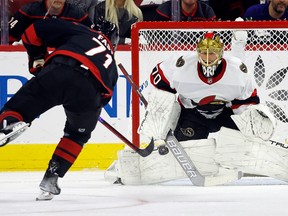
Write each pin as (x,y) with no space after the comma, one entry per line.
(252,155)
(128,167)
(136,170)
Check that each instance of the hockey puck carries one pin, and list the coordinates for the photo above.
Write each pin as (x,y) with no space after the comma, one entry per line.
(163,150)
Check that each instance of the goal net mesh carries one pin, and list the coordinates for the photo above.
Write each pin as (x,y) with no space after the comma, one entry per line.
(265,55)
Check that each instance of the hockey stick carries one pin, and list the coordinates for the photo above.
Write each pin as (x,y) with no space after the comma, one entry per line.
(184,160)
(142,152)
(135,87)
(174,146)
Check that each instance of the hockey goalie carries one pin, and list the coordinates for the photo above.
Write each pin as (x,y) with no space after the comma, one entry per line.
(210,103)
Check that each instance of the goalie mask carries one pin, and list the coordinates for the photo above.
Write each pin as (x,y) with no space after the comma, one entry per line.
(210,52)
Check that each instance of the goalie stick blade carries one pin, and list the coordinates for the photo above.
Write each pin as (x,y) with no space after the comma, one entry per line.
(184,160)
(147,151)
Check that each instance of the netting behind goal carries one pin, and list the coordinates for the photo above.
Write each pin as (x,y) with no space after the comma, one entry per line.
(265,55)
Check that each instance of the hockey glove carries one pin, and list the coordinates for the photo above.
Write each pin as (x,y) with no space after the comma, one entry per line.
(36,64)
(256,121)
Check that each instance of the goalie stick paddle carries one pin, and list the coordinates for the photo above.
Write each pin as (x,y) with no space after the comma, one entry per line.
(142,152)
(173,145)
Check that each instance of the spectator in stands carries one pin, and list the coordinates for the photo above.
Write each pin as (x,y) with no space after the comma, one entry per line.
(148,8)
(14,6)
(230,9)
(88,6)
(33,11)
(273,10)
(123,13)
(191,10)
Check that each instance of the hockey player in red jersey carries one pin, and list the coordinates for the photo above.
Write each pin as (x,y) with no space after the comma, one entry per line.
(80,75)
(33,11)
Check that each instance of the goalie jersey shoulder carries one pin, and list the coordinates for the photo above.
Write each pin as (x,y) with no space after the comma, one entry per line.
(180,63)
(236,63)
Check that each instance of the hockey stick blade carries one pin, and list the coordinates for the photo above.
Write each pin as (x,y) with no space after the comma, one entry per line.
(184,160)
(142,152)
(146,151)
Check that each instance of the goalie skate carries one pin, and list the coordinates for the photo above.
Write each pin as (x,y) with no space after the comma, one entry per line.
(11,132)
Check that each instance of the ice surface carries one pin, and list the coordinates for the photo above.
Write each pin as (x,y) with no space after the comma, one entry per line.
(86,193)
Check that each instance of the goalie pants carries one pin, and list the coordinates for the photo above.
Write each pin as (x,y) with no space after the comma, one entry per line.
(62,82)
(193,125)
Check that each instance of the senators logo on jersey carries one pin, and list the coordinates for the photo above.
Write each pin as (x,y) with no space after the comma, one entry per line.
(180,62)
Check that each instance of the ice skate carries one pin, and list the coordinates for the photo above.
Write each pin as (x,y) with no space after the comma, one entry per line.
(44,195)
(49,184)
(11,132)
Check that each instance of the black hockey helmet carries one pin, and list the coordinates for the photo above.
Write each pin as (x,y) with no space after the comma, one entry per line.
(109,29)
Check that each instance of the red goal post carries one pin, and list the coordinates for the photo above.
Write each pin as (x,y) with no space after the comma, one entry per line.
(265,55)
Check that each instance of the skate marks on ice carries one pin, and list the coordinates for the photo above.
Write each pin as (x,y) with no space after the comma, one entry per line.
(86,193)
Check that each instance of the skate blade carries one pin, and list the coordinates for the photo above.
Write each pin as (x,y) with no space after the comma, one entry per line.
(44,196)
(19,128)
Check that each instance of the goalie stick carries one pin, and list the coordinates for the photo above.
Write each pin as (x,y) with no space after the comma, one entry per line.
(174,146)
(184,160)
(142,152)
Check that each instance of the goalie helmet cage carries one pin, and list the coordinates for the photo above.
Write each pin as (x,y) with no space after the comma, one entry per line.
(265,55)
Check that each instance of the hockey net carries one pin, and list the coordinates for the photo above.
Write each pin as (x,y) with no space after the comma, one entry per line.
(265,55)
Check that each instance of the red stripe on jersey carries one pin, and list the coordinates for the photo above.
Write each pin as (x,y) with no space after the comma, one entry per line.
(207,100)
(70,146)
(11,114)
(85,61)
(252,100)
(30,37)
(73,19)
(31,17)
(154,75)
(162,14)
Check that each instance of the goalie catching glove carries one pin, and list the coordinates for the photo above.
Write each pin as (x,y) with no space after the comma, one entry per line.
(256,121)
(161,115)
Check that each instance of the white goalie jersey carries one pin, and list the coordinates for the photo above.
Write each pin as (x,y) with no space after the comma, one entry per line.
(183,74)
